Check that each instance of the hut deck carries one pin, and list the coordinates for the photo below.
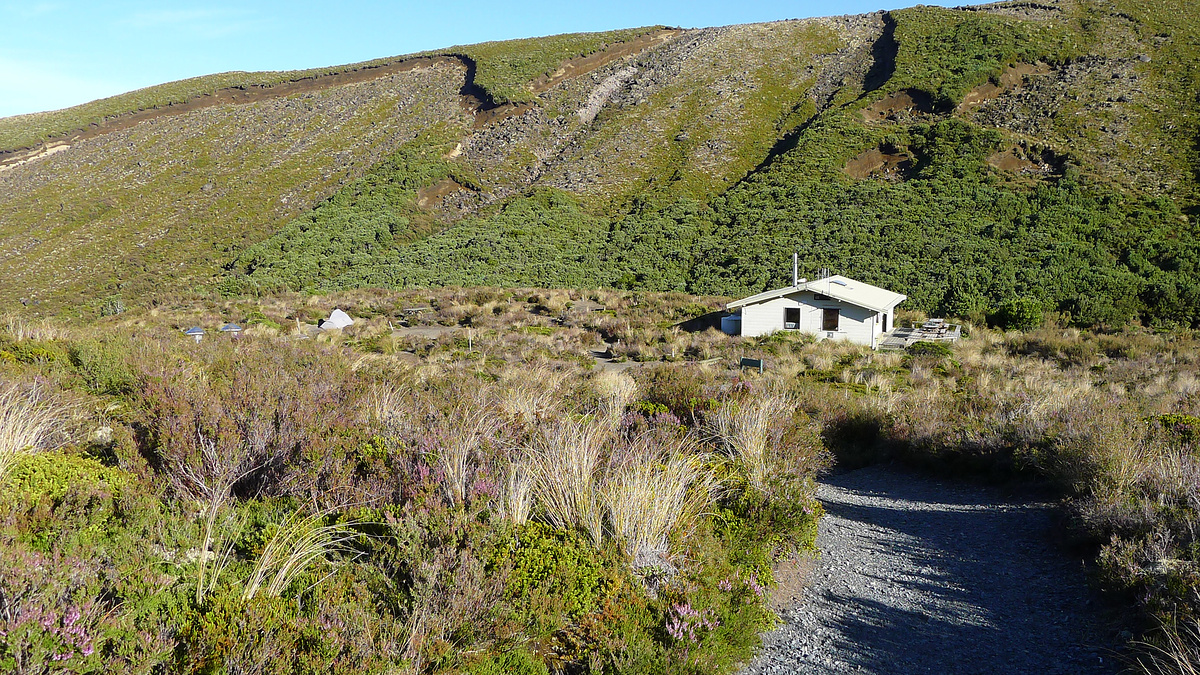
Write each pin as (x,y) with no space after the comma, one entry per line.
(934,330)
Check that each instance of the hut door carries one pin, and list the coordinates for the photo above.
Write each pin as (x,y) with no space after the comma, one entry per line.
(830,318)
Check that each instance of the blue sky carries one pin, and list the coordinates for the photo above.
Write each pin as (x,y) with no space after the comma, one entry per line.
(58,54)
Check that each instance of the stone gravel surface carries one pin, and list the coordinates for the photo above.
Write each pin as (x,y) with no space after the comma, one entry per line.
(918,575)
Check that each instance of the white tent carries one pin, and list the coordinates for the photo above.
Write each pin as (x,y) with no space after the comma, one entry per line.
(337,319)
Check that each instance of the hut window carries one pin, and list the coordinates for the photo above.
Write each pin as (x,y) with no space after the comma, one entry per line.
(791,318)
(830,317)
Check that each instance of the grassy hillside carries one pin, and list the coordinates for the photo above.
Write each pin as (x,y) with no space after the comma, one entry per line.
(957,232)
(503,71)
(660,150)
(161,205)
(967,157)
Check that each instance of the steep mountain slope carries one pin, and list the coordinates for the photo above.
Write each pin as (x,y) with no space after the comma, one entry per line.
(966,156)
(152,198)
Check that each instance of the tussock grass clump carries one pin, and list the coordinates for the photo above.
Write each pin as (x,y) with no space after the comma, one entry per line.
(566,463)
(1176,651)
(460,452)
(655,490)
(617,391)
(298,545)
(530,395)
(43,330)
(750,429)
(516,494)
(29,423)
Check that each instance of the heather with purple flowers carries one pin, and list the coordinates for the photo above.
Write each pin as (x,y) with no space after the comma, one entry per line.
(40,622)
(688,626)
(748,582)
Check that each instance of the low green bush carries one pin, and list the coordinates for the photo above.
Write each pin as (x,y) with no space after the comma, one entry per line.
(32,351)
(681,391)
(556,573)
(516,662)
(103,366)
(929,348)
(1017,314)
(1183,426)
(53,474)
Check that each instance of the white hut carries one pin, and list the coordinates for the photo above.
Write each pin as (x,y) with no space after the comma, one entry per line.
(833,308)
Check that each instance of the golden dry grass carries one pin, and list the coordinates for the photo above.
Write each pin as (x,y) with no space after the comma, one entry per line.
(30,421)
(655,491)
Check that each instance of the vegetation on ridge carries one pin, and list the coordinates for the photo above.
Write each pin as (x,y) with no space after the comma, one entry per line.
(956,236)
(710,192)
(944,53)
(504,71)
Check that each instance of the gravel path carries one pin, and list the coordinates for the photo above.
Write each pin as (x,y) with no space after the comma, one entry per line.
(922,576)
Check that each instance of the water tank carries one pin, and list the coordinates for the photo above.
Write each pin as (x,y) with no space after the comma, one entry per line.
(732,324)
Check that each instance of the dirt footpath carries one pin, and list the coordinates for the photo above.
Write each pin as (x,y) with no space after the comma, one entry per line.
(922,576)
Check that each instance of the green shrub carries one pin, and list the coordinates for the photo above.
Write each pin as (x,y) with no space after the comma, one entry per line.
(103,366)
(1017,314)
(929,348)
(515,662)
(556,574)
(761,527)
(681,391)
(1184,427)
(257,318)
(32,351)
(54,474)
(650,409)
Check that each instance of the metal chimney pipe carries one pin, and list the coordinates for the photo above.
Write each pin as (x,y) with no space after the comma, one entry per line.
(795,268)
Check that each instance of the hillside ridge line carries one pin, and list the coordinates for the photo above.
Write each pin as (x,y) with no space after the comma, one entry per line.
(475,98)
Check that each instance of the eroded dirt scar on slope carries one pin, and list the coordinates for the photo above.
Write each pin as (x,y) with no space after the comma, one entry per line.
(918,575)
